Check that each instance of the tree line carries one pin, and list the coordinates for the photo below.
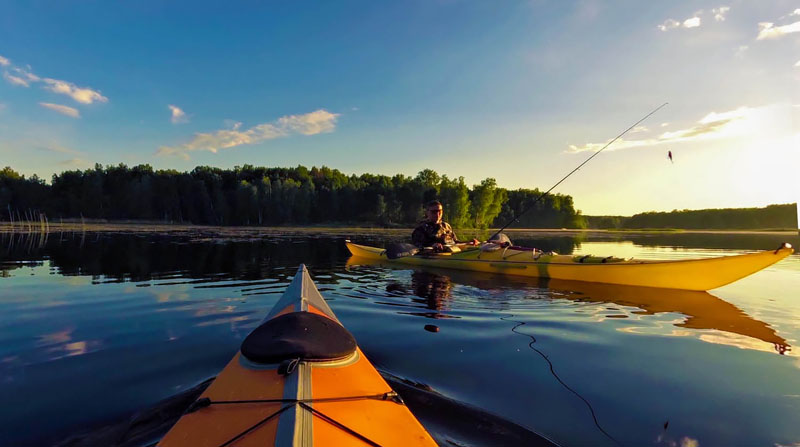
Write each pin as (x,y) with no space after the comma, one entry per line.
(250,195)
(772,216)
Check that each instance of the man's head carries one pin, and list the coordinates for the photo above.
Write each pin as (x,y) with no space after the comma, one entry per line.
(434,211)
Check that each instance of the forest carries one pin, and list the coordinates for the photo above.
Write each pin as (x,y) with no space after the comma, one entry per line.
(772,216)
(249,195)
(780,216)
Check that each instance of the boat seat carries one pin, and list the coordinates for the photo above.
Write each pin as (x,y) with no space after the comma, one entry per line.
(304,336)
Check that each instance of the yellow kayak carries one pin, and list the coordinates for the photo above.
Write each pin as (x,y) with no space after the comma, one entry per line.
(691,274)
(298,380)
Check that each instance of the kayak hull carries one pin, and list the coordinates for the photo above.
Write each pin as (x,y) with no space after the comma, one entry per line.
(341,402)
(693,274)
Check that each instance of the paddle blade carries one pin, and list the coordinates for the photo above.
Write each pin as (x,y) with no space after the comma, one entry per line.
(401,250)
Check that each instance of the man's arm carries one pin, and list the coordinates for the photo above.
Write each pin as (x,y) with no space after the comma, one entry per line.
(418,237)
(455,239)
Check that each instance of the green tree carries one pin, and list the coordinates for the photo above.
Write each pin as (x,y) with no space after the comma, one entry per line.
(486,202)
(454,195)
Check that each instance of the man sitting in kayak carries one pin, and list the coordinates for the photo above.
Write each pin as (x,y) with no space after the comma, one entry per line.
(435,233)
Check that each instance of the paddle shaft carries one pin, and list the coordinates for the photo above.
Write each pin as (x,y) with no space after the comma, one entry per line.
(530,207)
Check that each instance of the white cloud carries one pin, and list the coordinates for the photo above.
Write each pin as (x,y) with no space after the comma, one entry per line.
(64,110)
(669,24)
(693,22)
(24,77)
(768,30)
(15,80)
(796,12)
(319,121)
(719,13)
(79,94)
(740,51)
(26,74)
(744,120)
(178,115)
(797,64)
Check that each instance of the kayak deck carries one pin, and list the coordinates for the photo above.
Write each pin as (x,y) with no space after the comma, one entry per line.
(691,274)
(312,398)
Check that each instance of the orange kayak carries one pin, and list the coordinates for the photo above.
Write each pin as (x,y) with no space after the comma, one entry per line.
(299,379)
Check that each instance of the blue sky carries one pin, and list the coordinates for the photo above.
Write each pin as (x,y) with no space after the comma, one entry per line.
(518,91)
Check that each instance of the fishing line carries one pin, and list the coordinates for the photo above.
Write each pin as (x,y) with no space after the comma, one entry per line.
(553,372)
(530,207)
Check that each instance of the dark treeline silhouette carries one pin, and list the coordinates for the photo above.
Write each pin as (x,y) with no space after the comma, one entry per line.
(772,216)
(251,195)
(605,222)
(552,211)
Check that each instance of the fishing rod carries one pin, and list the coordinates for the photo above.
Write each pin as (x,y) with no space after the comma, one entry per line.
(530,207)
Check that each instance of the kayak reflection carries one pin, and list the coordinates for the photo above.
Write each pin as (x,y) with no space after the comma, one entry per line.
(703,310)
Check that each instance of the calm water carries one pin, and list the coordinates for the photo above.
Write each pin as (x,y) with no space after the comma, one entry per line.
(96,326)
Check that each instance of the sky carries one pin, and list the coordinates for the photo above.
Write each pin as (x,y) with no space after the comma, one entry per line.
(520,91)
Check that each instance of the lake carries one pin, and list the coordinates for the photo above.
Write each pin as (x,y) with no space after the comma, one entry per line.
(95,326)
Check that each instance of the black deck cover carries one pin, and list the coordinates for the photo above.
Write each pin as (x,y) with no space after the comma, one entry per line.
(298,335)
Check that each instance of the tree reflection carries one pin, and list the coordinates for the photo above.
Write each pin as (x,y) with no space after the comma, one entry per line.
(144,257)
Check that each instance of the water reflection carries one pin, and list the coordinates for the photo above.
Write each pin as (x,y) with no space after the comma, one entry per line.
(112,257)
(702,310)
(762,241)
(253,254)
(156,313)
(431,290)
(261,264)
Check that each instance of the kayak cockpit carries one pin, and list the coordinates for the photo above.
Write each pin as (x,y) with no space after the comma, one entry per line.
(302,336)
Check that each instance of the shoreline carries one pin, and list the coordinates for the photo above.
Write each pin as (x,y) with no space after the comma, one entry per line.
(151,227)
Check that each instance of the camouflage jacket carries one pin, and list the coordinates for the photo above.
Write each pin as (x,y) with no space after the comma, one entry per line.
(427,234)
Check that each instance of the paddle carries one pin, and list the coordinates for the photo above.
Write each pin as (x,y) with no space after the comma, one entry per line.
(402,249)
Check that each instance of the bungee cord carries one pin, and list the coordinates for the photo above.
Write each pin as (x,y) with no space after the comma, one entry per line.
(389,396)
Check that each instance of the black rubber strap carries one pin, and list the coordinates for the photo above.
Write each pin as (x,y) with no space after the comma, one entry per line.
(206,402)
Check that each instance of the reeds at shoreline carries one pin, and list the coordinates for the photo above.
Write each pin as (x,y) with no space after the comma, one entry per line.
(29,220)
